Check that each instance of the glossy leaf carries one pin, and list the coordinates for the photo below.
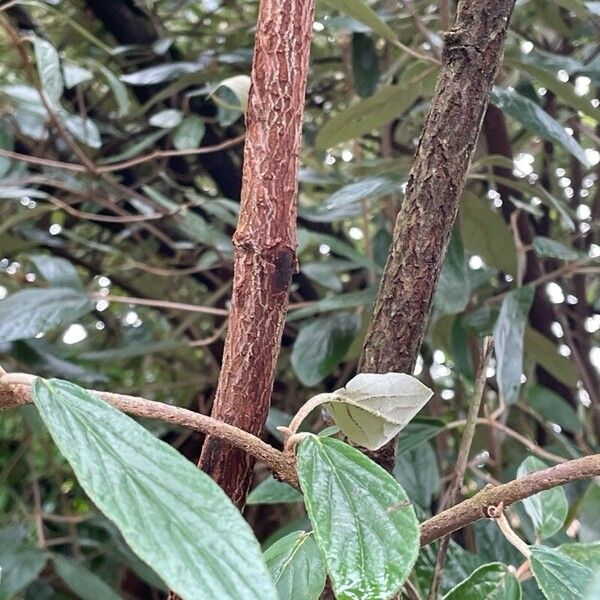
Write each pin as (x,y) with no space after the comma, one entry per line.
(548,509)
(28,312)
(321,345)
(57,271)
(166,119)
(296,566)
(271,491)
(121,465)
(75,74)
(559,577)
(361,11)
(536,119)
(508,338)
(84,130)
(372,408)
(189,134)
(160,73)
(494,581)
(362,519)
(48,65)
(81,581)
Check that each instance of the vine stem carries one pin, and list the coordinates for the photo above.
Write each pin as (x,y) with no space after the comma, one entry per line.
(15,390)
(310,405)
(497,513)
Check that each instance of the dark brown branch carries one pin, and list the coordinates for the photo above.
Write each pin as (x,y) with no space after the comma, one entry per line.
(475,508)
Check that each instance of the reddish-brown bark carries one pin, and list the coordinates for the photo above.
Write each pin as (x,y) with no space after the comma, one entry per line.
(265,240)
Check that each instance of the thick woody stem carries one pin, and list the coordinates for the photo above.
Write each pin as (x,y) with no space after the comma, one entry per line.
(265,239)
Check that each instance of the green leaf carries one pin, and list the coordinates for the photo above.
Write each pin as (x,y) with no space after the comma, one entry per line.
(508,338)
(417,431)
(361,11)
(586,554)
(117,88)
(489,582)
(48,65)
(453,290)
(160,73)
(365,65)
(559,577)
(536,119)
(189,134)
(74,75)
(20,566)
(81,581)
(296,566)
(7,142)
(548,509)
(240,86)
(417,472)
(166,119)
(84,130)
(321,345)
(362,117)
(271,491)
(26,313)
(362,519)
(548,247)
(57,271)
(372,408)
(121,465)
(554,408)
(485,234)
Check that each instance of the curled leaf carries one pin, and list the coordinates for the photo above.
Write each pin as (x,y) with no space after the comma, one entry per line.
(373,408)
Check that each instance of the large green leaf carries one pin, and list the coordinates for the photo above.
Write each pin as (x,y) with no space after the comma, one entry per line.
(586,554)
(508,338)
(361,11)
(271,491)
(48,65)
(554,408)
(57,271)
(172,515)
(83,582)
(417,471)
(548,247)
(362,519)
(26,313)
(494,581)
(296,566)
(548,509)
(536,119)
(559,577)
(545,353)
(321,345)
(389,102)
(20,566)
(373,408)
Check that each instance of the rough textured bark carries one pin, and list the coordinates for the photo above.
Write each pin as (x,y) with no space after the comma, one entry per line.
(265,239)
(472,53)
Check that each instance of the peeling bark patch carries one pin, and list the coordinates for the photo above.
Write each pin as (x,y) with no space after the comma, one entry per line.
(284,269)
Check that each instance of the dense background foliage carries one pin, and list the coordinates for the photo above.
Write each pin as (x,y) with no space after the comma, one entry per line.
(95,205)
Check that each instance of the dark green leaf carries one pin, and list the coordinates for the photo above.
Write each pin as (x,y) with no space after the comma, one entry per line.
(81,581)
(321,345)
(554,408)
(271,491)
(547,247)
(58,272)
(362,519)
(548,509)
(536,119)
(543,351)
(361,11)
(419,430)
(453,290)
(559,577)
(121,465)
(489,582)
(365,65)
(296,566)
(26,313)
(508,338)
(417,471)
(20,566)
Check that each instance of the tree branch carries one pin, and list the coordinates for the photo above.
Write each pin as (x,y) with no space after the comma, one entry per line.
(15,390)
(475,508)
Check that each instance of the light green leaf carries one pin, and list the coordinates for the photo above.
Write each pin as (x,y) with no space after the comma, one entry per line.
(296,566)
(542,351)
(20,566)
(536,119)
(453,290)
(321,345)
(548,509)
(81,581)
(373,408)
(118,89)
(548,247)
(240,86)
(7,142)
(57,271)
(189,134)
(361,11)
(26,313)
(75,74)
(494,581)
(362,519)
(166,119)
(508,338)
(559,577)
(48,65)
(586,554)
(160,73)
(485,234)
(121,465)
(271,491)
(84,130)
(362,117)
